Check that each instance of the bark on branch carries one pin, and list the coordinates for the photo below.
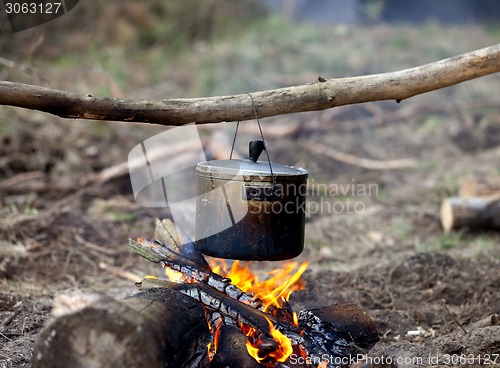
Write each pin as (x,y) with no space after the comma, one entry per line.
(397,86)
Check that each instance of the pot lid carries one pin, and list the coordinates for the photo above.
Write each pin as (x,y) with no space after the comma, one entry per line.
(248,170)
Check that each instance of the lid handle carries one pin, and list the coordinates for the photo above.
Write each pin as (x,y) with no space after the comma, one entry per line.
(255,148)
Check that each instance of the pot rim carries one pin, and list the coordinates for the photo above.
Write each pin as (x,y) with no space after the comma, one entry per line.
(247,170)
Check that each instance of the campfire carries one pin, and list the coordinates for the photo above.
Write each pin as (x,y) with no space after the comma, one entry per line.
(238,306)
(270,296)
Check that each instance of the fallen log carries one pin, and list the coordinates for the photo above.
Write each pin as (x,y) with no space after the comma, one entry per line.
(470,212)
(156,328)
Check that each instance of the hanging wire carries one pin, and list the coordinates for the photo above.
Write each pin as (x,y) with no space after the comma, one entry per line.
(234,139)
(263,140)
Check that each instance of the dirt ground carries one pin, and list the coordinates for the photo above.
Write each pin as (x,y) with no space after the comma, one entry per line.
(434,296)
(391,258)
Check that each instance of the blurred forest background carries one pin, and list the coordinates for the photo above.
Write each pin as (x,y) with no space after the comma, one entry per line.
(62,228)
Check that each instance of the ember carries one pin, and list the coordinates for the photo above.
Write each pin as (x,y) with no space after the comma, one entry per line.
(213,345)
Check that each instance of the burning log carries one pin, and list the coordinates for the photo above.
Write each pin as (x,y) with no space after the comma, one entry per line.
(231,350)
(156,328)
(274,332)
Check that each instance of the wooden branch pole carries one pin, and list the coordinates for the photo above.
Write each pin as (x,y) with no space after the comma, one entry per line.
(397,86)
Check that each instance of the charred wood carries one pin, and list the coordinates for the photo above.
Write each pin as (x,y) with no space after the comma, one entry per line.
(185,259)
(232,351)
(345,328)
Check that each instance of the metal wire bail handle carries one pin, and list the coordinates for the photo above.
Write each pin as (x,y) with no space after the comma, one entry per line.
(273,179)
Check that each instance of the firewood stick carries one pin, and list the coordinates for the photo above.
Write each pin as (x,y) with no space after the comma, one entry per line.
(470,212)
(243,313)
(183,257)
(168,245)
(158,252)
(118,272)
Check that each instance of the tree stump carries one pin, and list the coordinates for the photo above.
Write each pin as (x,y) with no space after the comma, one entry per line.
(470,212)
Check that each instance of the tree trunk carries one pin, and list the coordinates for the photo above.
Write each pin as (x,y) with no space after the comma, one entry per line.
(156,328)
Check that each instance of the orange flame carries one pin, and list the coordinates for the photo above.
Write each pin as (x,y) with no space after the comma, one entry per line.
(213,346)
(285,345)
(174,276)
(281,354)
(273,292)
(280,284)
